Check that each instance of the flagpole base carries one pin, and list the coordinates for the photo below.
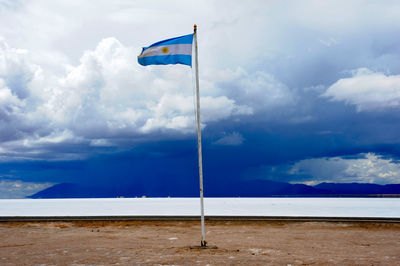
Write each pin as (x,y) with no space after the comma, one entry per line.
(203,245)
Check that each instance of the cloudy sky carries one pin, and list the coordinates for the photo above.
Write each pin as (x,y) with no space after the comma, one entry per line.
(294,91)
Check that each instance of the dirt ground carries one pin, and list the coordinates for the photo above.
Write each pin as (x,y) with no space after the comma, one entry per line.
(168,242)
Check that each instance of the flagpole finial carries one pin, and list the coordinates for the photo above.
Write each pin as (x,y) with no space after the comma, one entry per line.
(195,28)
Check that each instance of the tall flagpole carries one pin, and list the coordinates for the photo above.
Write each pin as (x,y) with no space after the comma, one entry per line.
(203,234)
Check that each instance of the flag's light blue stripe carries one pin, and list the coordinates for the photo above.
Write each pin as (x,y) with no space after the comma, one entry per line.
(186,39)
(166,60)
(170,50)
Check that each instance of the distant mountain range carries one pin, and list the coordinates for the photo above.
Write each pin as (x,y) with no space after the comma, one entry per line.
(251,188)
(359,188)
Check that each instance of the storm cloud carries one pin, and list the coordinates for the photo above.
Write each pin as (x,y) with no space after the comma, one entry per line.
(287,88)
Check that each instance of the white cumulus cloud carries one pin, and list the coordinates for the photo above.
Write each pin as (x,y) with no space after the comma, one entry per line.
(367,90)
(107,96)
(369,168)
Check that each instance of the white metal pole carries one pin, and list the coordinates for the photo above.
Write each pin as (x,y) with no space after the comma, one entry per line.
(203,235)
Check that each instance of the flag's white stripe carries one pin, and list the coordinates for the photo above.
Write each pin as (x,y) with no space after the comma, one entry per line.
(185,49)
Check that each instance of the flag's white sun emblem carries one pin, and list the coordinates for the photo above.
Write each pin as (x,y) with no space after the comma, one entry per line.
(165,50)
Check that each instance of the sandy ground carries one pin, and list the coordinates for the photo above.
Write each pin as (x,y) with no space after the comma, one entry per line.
(155,243)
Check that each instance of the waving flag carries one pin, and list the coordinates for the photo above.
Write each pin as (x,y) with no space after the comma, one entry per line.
(172,51)
(179,51)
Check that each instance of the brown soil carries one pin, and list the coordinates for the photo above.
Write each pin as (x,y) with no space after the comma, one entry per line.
(155,243)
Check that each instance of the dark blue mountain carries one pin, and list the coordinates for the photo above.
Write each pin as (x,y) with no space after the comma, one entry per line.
(250,188)
(260,188)
(359,188)
(68,190)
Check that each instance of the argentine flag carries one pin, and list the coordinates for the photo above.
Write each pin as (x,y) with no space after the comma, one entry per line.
(172,51)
